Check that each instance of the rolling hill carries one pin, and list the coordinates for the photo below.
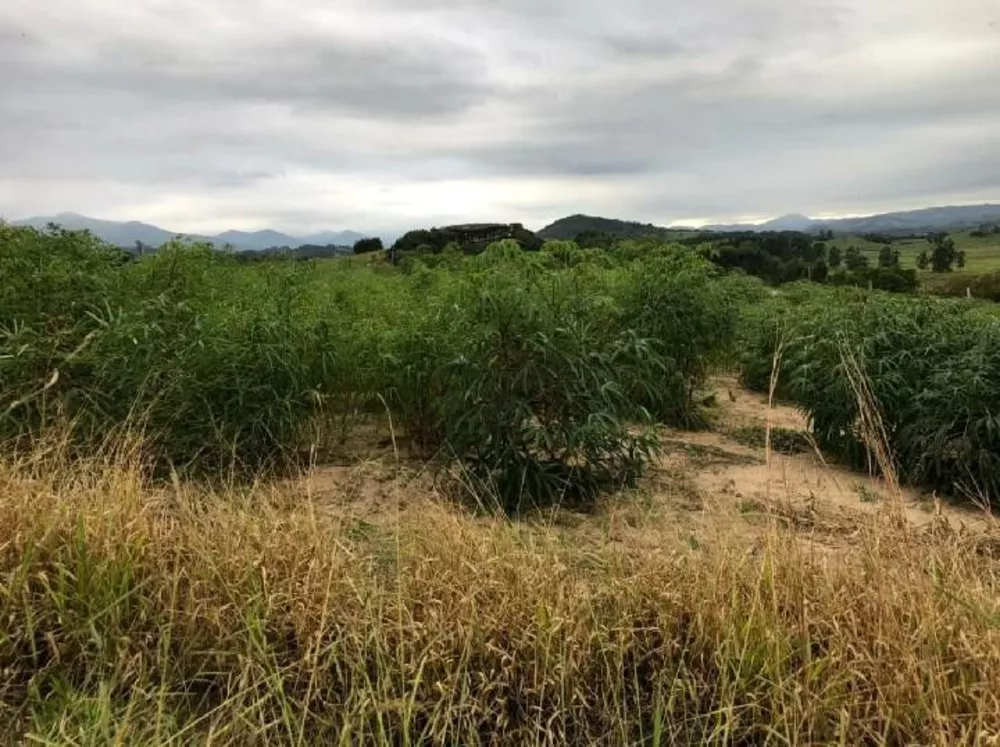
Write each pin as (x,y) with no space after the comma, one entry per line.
(573,225)
(946,218)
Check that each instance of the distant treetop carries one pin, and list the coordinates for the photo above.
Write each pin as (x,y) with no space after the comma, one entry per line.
(471,237)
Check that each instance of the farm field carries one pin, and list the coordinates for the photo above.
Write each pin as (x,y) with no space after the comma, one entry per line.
(571,496)
(982,253)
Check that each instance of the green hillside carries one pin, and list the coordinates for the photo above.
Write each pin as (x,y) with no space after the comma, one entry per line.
(570,227)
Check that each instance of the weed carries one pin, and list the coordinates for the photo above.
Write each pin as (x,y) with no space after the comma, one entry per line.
(248,618)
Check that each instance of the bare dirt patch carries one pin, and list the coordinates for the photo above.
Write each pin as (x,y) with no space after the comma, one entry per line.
(738,406)
(755,480)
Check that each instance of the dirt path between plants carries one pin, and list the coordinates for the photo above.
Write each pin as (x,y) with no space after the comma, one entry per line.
(751,475)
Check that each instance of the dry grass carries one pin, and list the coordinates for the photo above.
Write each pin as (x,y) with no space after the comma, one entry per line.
(134,615)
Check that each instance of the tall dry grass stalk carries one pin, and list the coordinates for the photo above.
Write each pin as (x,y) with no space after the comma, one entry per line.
(134,615)
(872,432)
(771,389)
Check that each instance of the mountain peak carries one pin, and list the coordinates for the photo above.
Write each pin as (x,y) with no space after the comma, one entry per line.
(790,222)
(942,218)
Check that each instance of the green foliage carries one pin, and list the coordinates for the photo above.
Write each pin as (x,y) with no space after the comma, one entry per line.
(604,231)
(892,279)
(364,246)
(531,369)
(217,367)
(888,257)
(944,254)
(535,378)
(301,253)
(562,253)
(596,239)
(529,400)
(985,286)
(985,231)
(674,301)
(775,256)
(855,259)
(470,238)
(879,238)
(933,368)
(529,241)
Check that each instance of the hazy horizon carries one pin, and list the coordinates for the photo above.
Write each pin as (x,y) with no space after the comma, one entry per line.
(386,114)
(745,220)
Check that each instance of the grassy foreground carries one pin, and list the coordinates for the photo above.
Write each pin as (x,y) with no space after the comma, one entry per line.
(134,615)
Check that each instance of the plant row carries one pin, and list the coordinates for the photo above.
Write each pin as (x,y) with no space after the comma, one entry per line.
(918,375)
(536,371)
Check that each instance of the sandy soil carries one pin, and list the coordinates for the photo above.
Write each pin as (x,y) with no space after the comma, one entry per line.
(708,485)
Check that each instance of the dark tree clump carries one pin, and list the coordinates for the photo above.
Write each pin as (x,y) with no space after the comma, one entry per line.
(855,259)
(365,246)
(944,254)
(888,257)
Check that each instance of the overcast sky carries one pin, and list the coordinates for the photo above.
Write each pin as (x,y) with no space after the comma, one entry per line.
(202,115)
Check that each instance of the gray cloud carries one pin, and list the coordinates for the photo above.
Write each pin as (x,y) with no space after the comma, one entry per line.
(396,112)
(333,73)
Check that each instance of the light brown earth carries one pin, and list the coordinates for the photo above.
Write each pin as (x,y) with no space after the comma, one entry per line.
(806,478)
(708,485)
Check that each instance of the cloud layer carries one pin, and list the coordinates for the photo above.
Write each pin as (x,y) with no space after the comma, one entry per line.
(383,114)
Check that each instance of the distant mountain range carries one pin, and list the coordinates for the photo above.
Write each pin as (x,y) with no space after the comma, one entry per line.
(953,218)
(126,234)
(948,218)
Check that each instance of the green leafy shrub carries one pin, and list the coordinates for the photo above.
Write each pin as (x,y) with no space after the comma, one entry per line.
(53,283)
(984,286)
(675,302)
(932,367)
(213,363)
(892,278)
(510,375)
